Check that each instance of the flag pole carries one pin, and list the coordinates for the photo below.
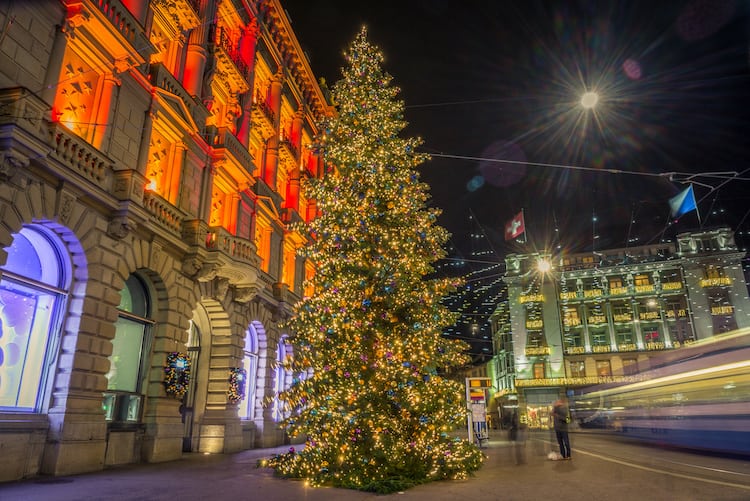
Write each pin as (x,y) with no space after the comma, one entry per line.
(698,213)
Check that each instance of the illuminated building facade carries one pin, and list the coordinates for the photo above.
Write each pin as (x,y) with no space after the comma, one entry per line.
(598,317)
(151,155)
(502,366)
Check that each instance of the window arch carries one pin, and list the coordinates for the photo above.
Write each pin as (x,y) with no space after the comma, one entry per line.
(33,289)
(130,348)
(250,364)
(282,378)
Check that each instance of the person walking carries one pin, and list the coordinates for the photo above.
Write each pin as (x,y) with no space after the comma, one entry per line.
(561,417)
(517,435)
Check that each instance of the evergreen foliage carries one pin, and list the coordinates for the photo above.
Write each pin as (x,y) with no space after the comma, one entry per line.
(368,344)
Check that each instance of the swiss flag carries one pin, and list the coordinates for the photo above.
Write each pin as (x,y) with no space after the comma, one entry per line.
(515,227)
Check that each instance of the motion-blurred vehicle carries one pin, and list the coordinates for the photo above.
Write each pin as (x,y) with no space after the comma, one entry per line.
(695,397)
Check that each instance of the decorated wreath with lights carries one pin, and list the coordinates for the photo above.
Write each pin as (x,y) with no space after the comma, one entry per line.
(177,374)
(236,391)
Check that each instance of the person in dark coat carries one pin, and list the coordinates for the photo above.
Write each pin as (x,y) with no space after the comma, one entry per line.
(561,417)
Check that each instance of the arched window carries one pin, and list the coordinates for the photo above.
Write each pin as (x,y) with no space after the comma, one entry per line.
(250,364)
(282,378)
(130,348)
(32,294)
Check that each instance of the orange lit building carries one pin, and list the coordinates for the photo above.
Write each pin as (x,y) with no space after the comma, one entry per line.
(151,157)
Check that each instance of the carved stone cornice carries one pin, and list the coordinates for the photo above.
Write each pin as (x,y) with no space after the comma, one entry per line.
(12,164)
(246,294)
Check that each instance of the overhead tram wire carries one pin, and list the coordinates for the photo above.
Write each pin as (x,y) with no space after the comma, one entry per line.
(671,176)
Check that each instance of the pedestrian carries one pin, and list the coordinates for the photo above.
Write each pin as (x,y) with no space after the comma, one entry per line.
(517,435)
(561,417)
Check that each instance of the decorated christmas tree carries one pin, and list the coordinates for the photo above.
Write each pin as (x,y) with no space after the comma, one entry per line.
(370,393)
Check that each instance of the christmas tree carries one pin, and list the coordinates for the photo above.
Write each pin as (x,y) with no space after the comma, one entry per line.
(375,407)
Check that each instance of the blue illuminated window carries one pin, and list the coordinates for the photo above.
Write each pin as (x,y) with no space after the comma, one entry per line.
(250,364)
(32,292)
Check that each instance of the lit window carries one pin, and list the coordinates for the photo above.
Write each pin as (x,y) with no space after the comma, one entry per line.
(577,369)
(250,364)
(32,292)
(641,280)
(603,368)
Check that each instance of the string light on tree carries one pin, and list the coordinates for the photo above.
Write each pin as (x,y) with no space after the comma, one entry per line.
(374,406)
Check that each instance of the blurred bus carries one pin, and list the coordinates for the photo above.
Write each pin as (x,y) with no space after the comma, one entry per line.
(696,397)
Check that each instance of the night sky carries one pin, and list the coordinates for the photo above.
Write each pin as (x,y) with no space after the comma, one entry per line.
(487,81)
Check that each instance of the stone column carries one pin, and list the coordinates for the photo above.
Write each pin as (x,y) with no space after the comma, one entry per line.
(104,112)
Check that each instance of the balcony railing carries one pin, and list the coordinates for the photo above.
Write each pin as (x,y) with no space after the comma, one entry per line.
(716,282)
(575,350)
(263,116)
(722,310)
(122,20)
(532,351)
(649,315)
(531,298)
(225,140)
(79,156)
(240,249)
(534,324)
(164,212)
(225,43)
(597,319)
(671,286)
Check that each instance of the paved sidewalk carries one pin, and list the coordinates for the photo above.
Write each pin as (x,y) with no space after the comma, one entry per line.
(235,477)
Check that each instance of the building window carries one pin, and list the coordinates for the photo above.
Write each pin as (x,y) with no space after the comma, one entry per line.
(573,339)
(130,348)
(624,336)
(671,276)
(577,369)
(629,366)
(282,378)
(713,271)
(539,370)
(603,368)
(32,294)
(250,364)
(641,280)
(599,337)
(622,312)
(722,311)
(615,282)
(536,340)
(571,316)
(651,334)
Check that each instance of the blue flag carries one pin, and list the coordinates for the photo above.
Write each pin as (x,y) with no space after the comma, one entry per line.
(683,202)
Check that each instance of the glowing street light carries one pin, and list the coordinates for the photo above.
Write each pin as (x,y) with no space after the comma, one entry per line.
(543,265)
(589,99)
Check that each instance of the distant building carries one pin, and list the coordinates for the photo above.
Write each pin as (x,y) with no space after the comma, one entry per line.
(590,318)
(501,369)
(151,156)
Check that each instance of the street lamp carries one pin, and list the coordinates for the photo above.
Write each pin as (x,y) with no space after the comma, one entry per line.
(543,265)
(589,99)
